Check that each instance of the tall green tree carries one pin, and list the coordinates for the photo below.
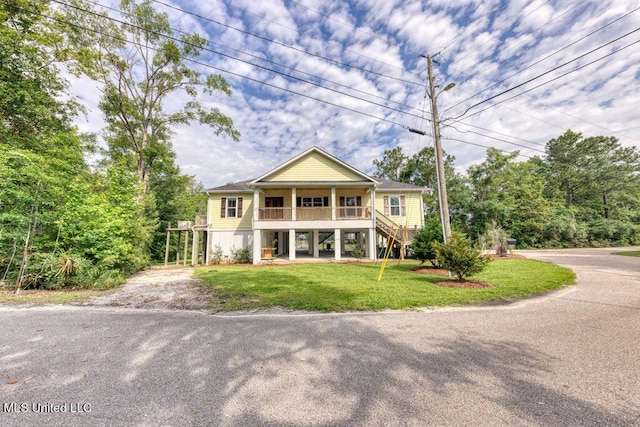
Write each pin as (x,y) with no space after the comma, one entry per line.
(141,63)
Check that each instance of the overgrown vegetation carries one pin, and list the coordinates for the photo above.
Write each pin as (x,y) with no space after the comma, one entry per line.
(63,224)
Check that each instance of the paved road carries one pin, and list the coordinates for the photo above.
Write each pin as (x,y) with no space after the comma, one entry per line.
(571,358)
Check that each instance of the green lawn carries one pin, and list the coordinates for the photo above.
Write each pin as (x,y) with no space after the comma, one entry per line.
(628,253)
(345,287)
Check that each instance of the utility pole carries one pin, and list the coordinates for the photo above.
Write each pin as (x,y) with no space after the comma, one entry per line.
(442,182)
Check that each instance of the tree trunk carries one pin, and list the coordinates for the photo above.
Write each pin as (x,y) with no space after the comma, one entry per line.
(605,201)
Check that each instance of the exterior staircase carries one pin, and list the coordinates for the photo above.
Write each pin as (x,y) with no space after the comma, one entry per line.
(388,228)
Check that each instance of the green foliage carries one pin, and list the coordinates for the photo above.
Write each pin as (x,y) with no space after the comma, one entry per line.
(494,238)
(357,252)
(422,243)
(459,256)
(216,254)
(67,271)
(241,256)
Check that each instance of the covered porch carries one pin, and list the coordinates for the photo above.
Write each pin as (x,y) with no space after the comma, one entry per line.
(313,244)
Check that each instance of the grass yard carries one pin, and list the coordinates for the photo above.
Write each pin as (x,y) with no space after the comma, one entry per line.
(346,287)
(628,253)
(38,297)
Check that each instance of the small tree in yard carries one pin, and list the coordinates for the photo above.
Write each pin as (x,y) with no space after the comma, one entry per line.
(460,256)
(422,243)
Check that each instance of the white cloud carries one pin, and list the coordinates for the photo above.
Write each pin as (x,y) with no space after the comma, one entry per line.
(485,42)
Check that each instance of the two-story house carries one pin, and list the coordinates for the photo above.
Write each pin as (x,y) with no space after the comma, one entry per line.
(312,197)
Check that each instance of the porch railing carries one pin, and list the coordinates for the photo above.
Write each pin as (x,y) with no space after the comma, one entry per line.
(314,214)
(354,212)
(274,214)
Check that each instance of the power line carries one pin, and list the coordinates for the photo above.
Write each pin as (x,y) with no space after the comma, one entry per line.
(213,67)
(517,21)
(285,45)
(550,71)
(499,133)
(547,82)
(498,139)
(544,58)
(269,61)
(315,38)
(240,60)
(487,147)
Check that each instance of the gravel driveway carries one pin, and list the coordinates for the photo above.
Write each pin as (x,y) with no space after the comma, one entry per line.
(157,288)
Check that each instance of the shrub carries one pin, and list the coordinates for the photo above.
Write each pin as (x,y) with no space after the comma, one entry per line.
(494,238)
(241,256)
(422,243)
(357,252)
(216,254)
(460,256)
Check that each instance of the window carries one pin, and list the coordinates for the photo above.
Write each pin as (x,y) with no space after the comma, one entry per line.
(394,206)
(231,207)
(312,202)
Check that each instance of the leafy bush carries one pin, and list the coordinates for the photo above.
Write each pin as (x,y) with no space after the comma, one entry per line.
(68,271)
(494,238)
(216,254)
(422,243)
(241,256)
(357,252)
(460,256)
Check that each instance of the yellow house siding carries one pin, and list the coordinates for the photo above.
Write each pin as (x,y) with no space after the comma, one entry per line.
(314,167)
(413,207)
(215,205)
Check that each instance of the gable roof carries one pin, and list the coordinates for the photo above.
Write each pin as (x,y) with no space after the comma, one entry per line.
(233,187)
(315,161)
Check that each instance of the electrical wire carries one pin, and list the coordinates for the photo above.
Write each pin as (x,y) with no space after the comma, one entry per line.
(487,147)
(544,58)
(498,139)
(547,82)
(200,63)
(285,45)
(550,71)
(238,59)
(268,60)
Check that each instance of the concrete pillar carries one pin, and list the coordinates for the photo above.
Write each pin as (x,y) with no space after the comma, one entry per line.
(194,248)
(292,244)
(371,244)
(316,243)
(257,246)
(338,241)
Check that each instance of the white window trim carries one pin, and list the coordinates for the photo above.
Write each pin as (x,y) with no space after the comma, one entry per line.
(235,208)
(398,206)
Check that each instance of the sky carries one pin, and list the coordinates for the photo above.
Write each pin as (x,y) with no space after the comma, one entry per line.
(348,77)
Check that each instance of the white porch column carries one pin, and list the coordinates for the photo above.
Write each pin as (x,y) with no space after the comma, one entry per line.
(280,242)
(333,203)
(293,204)
(371,244)
(257,246)
(316,243)
(292,244)
(256,204)
(310,242)
(337,235)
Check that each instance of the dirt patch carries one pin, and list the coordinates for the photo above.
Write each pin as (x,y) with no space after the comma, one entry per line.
(468,284)
(430,271)
(508,256)
(172,289)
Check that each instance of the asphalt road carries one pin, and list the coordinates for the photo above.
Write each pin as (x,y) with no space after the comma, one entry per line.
(569,358)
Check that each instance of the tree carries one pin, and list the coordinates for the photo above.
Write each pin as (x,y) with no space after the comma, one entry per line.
(459,256)
(141,63)
(391,166)
(422,243)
